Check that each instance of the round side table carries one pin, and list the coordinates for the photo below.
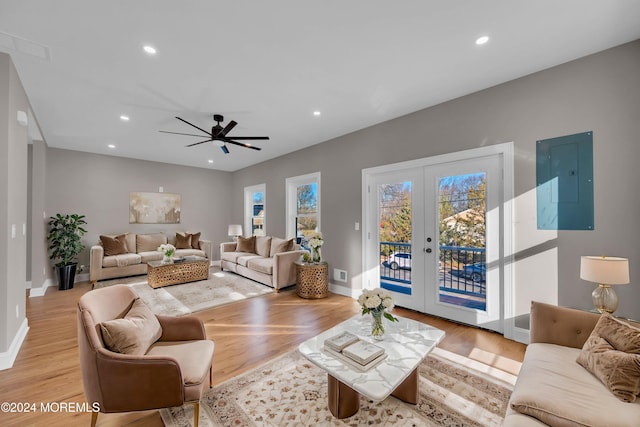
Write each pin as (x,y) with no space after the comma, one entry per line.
(312,280)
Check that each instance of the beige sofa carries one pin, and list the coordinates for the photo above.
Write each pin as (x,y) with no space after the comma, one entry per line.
(139,249)
(268,260)
(552,388)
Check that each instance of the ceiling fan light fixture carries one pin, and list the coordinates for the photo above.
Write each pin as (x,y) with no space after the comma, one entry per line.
(219,135)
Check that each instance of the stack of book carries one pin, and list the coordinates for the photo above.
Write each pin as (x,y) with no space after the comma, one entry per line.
(359,354)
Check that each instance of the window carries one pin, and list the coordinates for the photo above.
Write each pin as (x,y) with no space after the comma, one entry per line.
(254,210)
(303,206)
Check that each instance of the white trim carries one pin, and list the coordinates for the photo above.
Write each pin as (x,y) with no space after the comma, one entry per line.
(519,335)
(8,357)
(249,191)
(508,245)
(39,292)
(506,151)
(291,185)
(344,290)
(29,284)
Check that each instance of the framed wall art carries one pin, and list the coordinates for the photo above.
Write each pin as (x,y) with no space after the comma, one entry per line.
(154,208)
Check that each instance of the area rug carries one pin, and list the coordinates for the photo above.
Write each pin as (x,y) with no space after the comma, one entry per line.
(222,287)
(291,391)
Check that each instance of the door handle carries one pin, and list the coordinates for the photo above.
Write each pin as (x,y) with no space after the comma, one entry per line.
(428,250)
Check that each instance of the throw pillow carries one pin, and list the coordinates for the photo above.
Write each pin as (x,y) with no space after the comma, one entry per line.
(619,334)
(183,241)
(246,244)
(280,245)
(195,240)
(149,242)
(114,245)
(263,246)
(618,370)
(134,333)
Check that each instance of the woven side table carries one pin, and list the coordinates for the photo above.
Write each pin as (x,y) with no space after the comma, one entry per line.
(312,280)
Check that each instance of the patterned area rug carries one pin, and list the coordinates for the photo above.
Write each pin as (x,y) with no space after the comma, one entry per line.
(291,391)
(222,287)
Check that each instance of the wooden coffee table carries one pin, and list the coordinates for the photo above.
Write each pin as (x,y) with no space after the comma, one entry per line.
(164,274)
(406,343)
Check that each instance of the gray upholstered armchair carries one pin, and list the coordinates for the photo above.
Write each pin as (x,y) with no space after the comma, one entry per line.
(174,370)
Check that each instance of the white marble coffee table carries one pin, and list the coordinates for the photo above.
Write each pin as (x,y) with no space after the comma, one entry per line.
(406,343)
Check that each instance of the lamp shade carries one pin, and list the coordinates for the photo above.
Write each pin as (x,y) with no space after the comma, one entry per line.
(235,230)
(604,270)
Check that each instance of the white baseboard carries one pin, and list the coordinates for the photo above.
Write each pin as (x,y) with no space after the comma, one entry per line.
(29,284)
(344,291)
(521,335)
(39,292)
(8,357)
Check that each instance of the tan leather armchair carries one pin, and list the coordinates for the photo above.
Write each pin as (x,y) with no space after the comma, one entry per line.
(175,370)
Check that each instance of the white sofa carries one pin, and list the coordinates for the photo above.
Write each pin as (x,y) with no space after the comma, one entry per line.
(140,249)
(552,388)
(268,260)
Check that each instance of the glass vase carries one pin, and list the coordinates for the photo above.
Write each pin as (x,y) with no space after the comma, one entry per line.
(377,328)
(315,255)
(167,259)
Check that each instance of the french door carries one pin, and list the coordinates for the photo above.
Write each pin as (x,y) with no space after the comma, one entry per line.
(433,238)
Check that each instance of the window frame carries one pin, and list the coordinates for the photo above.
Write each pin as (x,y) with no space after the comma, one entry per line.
(249,193)
(292,185)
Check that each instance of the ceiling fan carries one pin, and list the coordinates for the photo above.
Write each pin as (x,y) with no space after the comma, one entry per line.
(219,133)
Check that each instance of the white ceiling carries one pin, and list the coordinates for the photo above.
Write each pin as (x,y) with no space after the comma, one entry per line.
(269,64)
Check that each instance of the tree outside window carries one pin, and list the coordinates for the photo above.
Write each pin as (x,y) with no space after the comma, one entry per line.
(303,206)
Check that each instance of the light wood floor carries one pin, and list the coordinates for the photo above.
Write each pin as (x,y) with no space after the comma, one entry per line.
(247,334)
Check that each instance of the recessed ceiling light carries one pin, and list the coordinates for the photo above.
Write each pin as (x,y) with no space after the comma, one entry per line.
(482,40)
(124,118)
(150,49)
(316,113)
(210,161)
(111,146)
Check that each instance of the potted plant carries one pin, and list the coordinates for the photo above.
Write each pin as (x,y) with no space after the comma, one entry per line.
(65,245)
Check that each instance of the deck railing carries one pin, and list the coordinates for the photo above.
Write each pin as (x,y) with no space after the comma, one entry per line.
(462,270)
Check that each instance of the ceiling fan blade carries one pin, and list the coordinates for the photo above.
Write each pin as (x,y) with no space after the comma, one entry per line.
(179,133)
(191,124)
(227,128)
(197,143)
(241,144)
(224,149)
(250,137)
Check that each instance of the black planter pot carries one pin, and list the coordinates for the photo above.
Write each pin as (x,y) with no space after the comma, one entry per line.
(66,276)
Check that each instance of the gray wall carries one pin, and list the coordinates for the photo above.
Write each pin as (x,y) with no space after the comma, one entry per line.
(599,93)
(98,187)
(38,257)
(13,203)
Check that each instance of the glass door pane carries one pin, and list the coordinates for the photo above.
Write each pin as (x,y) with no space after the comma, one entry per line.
(393,259)
(395,226)
(462,247)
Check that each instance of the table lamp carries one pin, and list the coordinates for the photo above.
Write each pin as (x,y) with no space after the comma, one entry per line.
(235,230)
(605,271)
